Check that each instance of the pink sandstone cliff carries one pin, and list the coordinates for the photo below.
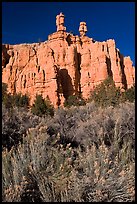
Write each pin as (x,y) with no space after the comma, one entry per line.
(64,65)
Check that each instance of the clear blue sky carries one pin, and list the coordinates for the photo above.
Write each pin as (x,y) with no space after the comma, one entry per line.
(28,22)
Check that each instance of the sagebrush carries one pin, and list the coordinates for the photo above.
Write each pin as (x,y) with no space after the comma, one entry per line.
(84,154)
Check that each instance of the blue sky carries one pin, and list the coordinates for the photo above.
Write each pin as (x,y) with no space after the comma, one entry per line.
(28,22)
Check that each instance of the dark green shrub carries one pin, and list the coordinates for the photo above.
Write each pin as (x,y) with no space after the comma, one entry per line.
(16,99)
(42,106)
(21,100)
(106,94)
(24,101)
(49,107)
(74,101)
(129,94)
(6,98)
(9,100)
(4,90)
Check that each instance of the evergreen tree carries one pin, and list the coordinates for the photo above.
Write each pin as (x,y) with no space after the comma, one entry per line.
(42,107)
(106,93)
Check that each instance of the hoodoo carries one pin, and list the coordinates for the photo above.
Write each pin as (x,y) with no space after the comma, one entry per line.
(64,65)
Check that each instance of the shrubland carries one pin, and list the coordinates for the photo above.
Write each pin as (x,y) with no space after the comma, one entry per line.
(82,153)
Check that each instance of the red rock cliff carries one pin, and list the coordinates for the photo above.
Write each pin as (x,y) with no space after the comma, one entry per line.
(64,65)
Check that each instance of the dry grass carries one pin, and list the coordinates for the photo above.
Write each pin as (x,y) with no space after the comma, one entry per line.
(99,167)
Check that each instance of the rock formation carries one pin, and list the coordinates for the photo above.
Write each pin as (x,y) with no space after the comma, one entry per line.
(64,65)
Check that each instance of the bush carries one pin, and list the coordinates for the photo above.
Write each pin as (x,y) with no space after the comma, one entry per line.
(7,99)
(15,123)
(74,100)
(21,100)
(82,154)
(4,90)
(11,101)
(106,94)
(42,107)
(89,124)
(43,171)
(129,94)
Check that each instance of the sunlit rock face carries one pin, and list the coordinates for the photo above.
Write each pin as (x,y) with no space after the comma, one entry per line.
(64,65)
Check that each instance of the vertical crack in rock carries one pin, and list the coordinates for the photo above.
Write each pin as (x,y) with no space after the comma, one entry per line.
(78,73)
(108,62)
(124,81)
(59,88)
(5,56)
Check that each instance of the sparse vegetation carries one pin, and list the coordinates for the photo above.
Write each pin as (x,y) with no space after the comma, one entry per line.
(81,153)
(84,154)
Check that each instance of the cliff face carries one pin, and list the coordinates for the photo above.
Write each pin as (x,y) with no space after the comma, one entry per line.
(64,65)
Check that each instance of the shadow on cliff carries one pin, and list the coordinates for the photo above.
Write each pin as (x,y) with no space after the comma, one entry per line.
(64,83)
(124,81)
(6,56)
(78,76)
(109,67)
